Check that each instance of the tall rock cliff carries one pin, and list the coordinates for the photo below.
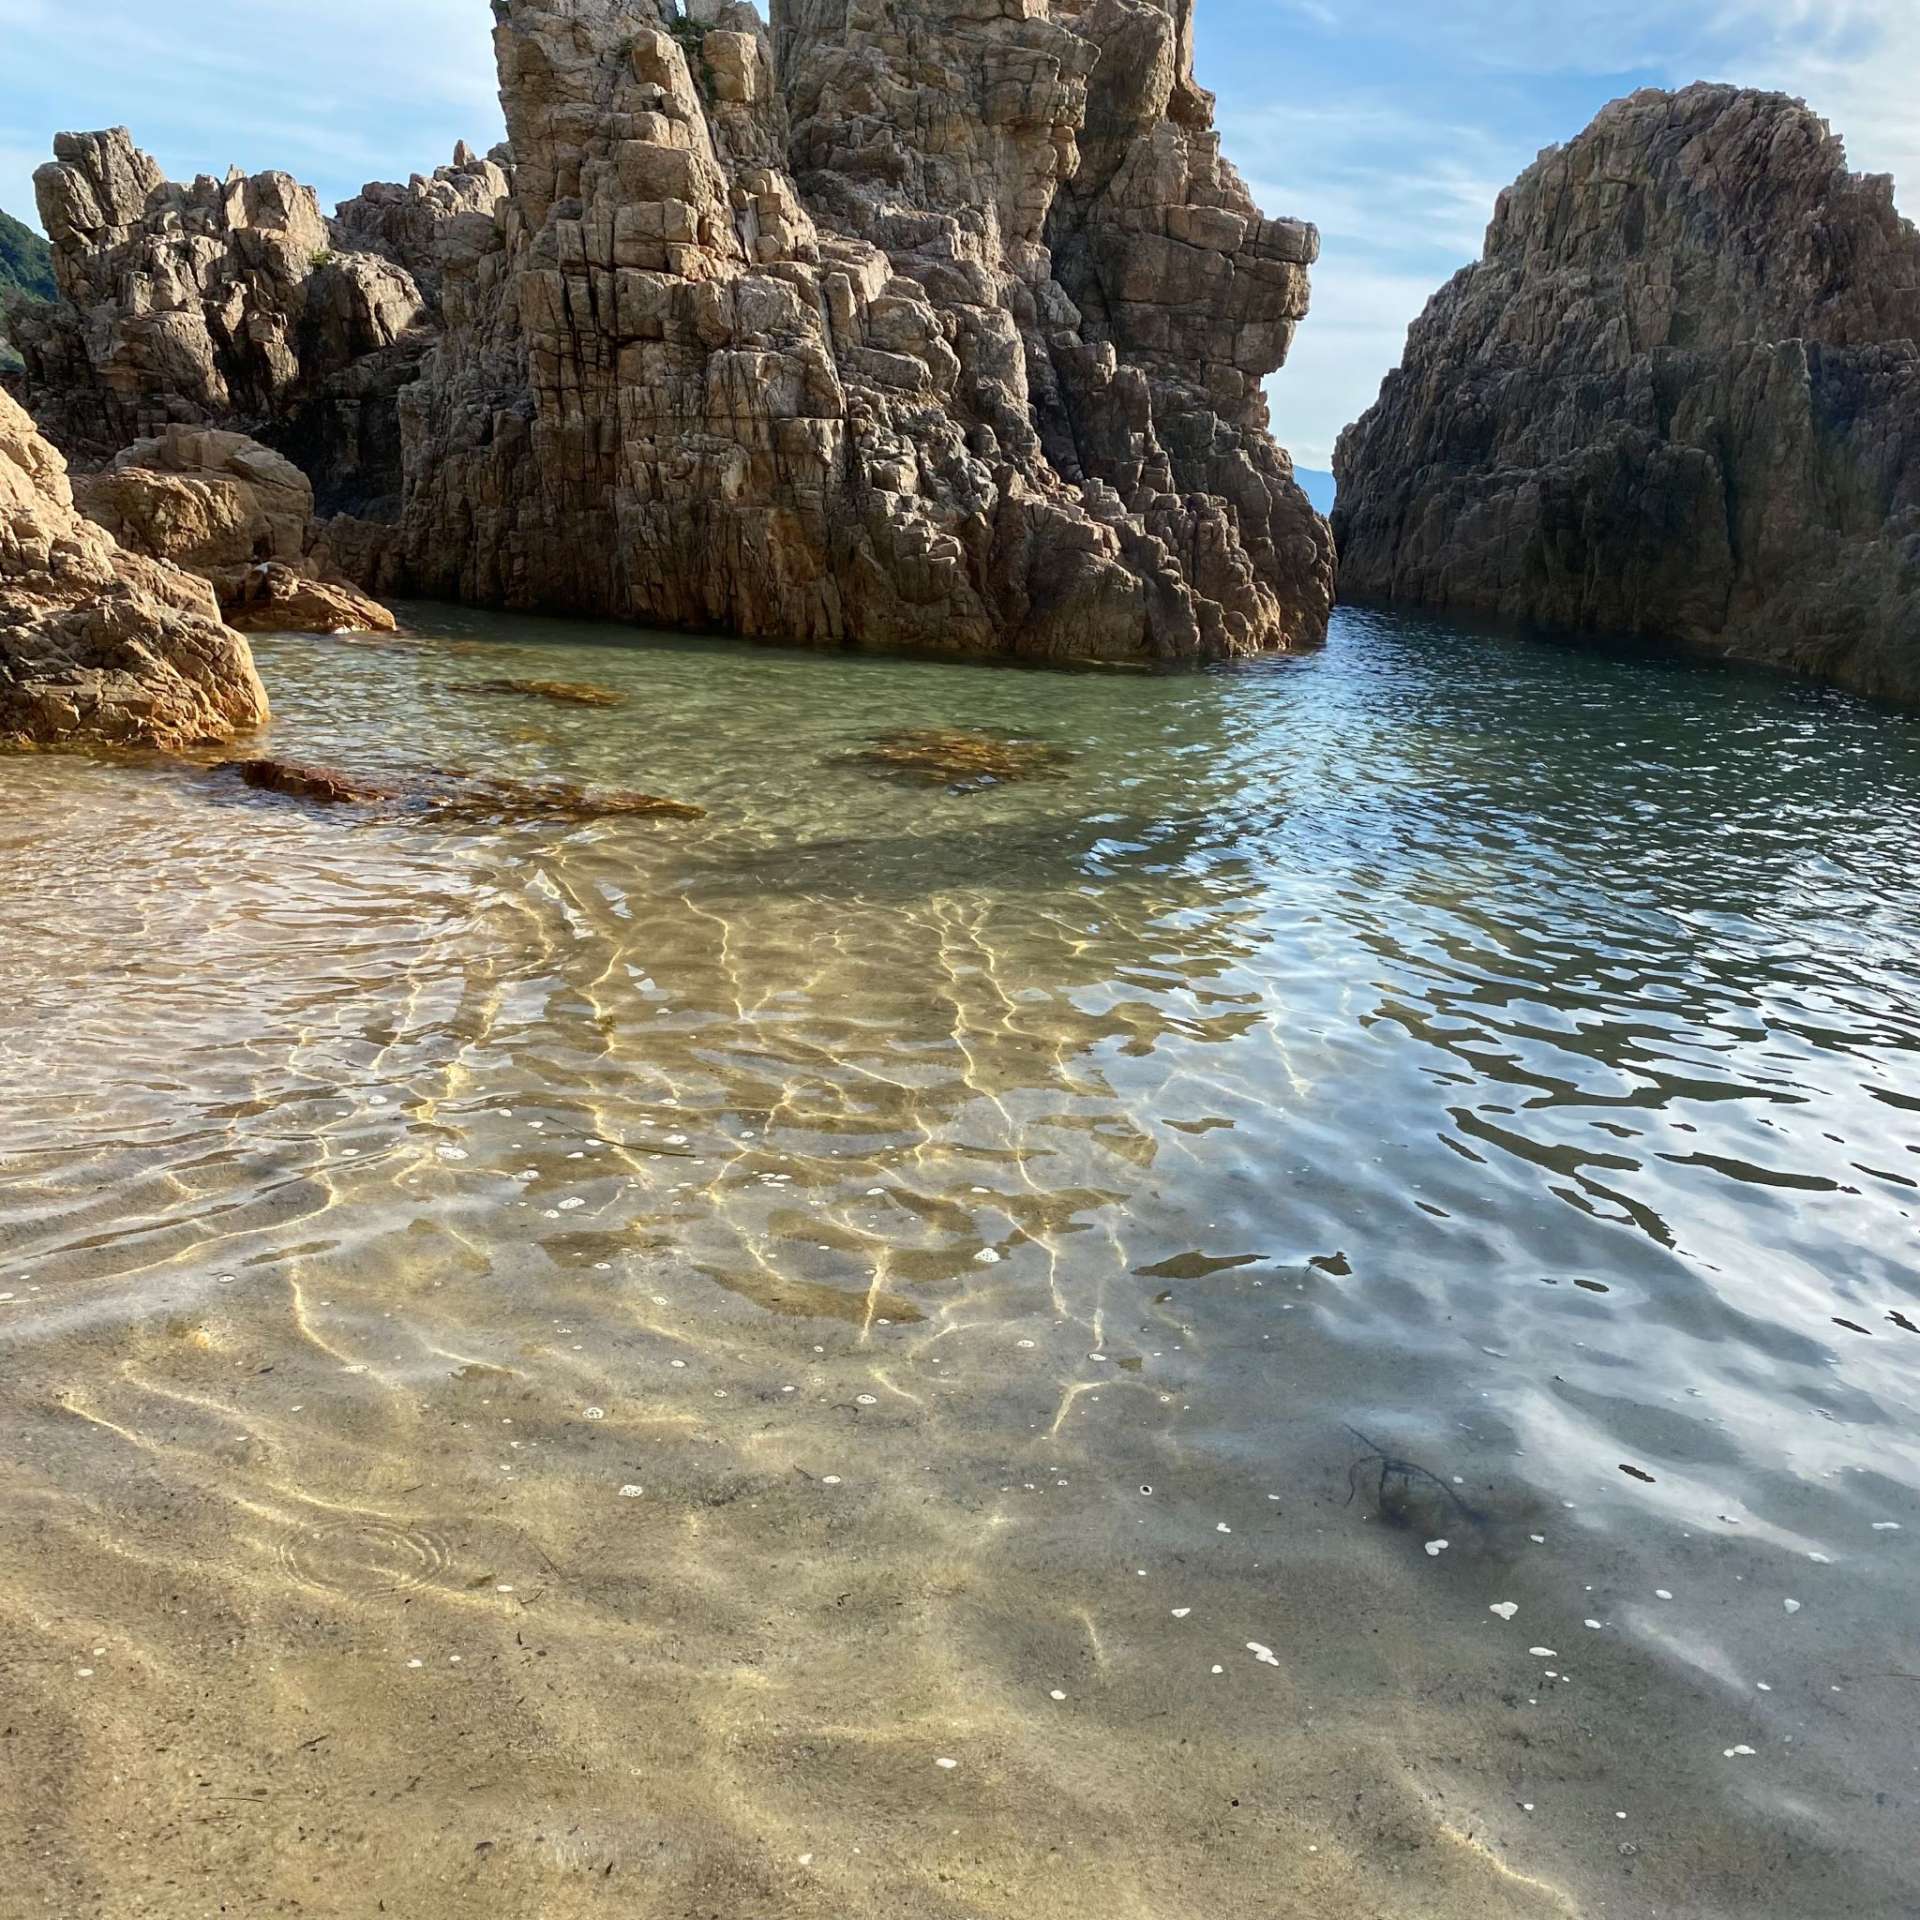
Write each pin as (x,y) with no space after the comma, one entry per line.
(924,324)
(1678,397)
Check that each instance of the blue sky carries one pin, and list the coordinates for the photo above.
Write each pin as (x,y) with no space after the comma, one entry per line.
(1392,123)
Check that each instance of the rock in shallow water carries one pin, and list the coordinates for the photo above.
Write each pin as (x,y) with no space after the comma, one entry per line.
(1678,397)
(98,645)
(960,756)
(277,599)
(566,693)
(450,794)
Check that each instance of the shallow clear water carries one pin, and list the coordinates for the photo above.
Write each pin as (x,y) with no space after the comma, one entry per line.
(573,1367)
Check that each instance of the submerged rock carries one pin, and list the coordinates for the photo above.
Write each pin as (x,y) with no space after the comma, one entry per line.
(98,645)
(1678,397)
(959,756)
(451,794)
(933,327)
(322,785)
(566,693)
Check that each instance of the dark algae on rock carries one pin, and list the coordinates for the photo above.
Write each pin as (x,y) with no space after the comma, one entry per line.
(450,794)
(1678,397)
(962,756)
(565,693)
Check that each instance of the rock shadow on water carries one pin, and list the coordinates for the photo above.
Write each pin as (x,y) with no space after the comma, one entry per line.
(448,794)
(965,759)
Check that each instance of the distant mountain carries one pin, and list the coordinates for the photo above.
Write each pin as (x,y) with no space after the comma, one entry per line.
(26,261)
(1317,486)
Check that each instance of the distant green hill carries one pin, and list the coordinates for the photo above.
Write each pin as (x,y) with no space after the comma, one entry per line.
(26,266)
(26,261)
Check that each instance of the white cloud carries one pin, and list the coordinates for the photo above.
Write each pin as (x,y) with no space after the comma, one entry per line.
(1358,329)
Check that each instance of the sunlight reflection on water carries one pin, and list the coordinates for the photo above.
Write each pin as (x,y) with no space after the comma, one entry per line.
(755,1269)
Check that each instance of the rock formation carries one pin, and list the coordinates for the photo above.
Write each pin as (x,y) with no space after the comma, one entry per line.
(943,330)
(234,304)
(98,645)
(1678,397)
(237,514)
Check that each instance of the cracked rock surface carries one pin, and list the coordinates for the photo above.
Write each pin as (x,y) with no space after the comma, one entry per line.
(1678,397)
(936,325)
(99,646)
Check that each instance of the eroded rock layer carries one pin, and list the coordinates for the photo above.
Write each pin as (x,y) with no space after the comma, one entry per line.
(237,514)
(97,645)
(1678,397)
(945,330)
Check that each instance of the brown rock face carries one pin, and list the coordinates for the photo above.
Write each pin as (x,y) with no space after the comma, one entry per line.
(277,599)
(1679,397)
(177,302)
(850,402)
(98,645)
(214,503)
(943,331)
(234,304)
(237,514)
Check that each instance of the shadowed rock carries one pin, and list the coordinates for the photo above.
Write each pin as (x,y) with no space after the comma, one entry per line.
(237,514)
(1679,397)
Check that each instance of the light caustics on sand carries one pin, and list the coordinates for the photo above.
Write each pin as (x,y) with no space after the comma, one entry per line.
(1064,1345)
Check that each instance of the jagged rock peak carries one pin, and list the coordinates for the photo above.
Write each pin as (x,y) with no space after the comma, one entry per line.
(403,223)
(1679,396)
(779,348)
(944,332)
(1719,214)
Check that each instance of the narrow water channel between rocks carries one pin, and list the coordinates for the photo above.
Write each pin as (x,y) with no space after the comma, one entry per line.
(1309,1306)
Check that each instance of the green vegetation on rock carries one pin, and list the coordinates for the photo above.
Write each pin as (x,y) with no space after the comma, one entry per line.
(26,261)
(26,266)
